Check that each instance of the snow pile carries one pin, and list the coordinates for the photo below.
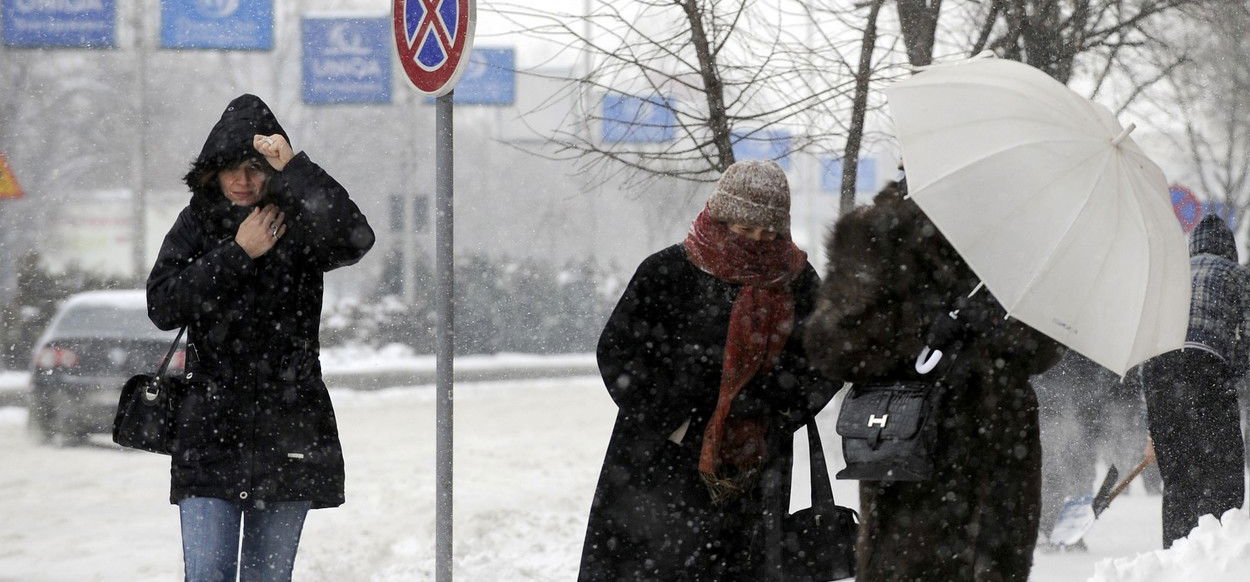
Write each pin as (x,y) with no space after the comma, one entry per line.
(1215,551)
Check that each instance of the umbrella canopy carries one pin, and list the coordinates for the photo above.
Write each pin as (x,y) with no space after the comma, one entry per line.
(1052,205)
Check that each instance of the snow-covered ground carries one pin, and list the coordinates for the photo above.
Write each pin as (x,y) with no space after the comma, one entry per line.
(527,456)
(398,357)
(14,380)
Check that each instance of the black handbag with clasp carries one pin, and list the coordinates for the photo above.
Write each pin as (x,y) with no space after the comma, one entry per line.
(889,430)
(148,408)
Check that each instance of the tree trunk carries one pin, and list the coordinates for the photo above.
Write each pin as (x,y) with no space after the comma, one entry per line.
(918,20)
(850,157)
(713,88)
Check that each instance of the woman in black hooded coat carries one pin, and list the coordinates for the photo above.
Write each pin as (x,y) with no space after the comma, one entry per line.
(242,269)
(890,274)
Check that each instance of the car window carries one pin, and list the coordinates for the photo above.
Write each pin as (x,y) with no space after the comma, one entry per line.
(107,321)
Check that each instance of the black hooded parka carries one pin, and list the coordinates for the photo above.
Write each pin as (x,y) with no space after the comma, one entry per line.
(1191,395)
(257,425)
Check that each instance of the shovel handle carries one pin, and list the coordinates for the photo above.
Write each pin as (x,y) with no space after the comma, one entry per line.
(1132,474)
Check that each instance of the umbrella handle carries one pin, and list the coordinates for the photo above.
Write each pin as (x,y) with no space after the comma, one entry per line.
(928,360)
(1123,134)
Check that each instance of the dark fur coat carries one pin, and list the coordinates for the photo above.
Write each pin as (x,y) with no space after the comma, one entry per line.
(890,273)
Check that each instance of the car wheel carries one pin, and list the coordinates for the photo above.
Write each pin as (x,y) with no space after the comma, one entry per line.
(65,427)
(39,416)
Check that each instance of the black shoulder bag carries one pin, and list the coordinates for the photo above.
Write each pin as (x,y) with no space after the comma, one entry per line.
(890,429)
(148,408)
(818,543)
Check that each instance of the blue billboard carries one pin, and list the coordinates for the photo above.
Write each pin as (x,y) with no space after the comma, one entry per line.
(77,23)
(766,144)
(488,79)
(831,175)
(346,60)
(217,24)
(631,119)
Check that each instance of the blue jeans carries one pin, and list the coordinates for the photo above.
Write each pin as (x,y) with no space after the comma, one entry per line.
(211,539)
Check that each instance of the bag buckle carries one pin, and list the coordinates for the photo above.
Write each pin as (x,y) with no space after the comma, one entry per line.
(878,420)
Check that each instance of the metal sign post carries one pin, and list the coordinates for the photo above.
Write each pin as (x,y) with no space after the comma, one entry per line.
(433,38)
(445,335)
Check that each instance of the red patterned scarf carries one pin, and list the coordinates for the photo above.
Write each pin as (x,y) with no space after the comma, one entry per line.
(760,322)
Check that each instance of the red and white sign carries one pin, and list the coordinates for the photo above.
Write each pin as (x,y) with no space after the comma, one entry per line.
(1186,206)
(433,38)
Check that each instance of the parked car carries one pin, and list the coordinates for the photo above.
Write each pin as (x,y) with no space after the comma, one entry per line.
(94,343)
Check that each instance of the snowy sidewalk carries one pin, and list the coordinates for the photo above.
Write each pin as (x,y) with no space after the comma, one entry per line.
(527,458)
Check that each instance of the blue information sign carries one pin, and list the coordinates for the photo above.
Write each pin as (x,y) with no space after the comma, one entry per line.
(831,175)
(631,119)
(65,23)
(217,24)
(767,144)
(347,60)
(488,79)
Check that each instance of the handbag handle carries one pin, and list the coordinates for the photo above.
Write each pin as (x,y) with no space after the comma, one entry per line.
(170,354)
(822,491)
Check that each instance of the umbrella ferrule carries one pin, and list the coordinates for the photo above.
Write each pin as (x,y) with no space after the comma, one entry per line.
(1123,134)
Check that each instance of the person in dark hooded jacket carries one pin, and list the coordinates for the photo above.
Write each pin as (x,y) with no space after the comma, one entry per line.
(1191,393)
(891,275)
(703,359)
(242,269)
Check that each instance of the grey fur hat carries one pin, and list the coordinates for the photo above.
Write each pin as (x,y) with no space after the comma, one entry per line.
(753,193)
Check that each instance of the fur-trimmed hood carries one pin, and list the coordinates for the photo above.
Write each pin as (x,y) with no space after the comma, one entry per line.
(230,140)
(890,274)
(228,144)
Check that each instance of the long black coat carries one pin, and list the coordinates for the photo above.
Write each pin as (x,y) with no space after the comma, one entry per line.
(890,274)
(260,425)
(660,356)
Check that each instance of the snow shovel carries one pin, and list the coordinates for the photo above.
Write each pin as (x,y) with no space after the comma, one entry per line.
(1078,514)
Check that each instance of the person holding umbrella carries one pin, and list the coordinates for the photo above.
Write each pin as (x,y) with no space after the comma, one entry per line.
(1191,393)
(891,275)
(1067,223)
(702,356)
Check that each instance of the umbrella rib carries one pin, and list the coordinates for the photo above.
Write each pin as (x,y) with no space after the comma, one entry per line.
(1050,256)
(1141,300)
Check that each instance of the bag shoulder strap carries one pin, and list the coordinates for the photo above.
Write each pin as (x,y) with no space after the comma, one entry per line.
(160,373)
(822,491)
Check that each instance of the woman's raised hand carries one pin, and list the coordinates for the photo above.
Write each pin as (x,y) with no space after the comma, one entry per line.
(275,149)
(261,230)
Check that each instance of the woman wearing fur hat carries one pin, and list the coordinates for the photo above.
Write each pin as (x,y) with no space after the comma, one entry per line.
(703,359)
(241,269)
(891,274)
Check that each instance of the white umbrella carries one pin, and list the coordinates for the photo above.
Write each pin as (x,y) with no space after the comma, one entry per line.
(1052,205)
